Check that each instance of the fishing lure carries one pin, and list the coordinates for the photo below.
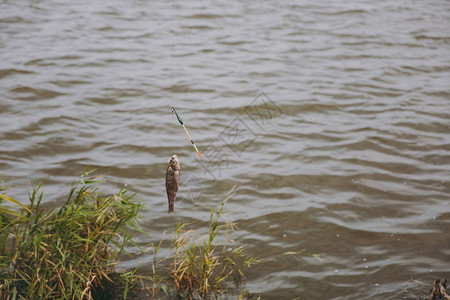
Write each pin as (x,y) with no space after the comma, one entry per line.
(182,124)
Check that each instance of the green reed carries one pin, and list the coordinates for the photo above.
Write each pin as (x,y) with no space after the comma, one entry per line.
(71,252)
(64,253)
(201,267)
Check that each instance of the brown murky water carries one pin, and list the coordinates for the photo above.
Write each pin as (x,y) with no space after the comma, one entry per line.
(331,117)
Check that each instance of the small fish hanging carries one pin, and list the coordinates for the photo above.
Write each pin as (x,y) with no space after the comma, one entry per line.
(172,180)
(182,124)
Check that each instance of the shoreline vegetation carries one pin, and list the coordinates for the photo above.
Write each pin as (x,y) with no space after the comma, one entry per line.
(71,252)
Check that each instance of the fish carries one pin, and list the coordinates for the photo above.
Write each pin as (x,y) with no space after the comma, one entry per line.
(172,180)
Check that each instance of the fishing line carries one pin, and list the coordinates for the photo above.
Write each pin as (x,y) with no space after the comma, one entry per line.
(172,56)
(172,89)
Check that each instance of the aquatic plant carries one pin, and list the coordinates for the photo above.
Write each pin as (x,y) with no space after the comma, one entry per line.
(64,253)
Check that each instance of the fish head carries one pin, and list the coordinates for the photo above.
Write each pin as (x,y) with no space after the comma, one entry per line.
(174,162)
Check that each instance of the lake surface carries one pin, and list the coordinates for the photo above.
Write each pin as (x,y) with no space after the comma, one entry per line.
(332,118)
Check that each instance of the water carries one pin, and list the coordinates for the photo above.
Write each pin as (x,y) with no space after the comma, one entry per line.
(331,118)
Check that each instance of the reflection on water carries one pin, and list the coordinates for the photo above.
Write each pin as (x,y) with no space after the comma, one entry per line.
(331,118)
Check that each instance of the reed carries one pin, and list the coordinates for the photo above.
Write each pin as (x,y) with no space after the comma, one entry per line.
(65,253)
(202,267)
(71,252)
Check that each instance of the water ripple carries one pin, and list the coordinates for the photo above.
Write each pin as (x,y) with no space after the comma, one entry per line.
(346,154)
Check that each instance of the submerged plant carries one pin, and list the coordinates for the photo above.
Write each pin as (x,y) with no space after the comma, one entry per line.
(64,253)
(202,267)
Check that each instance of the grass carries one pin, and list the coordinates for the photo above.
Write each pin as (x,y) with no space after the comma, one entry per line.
(71,252)
(64,253)
(203,268)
